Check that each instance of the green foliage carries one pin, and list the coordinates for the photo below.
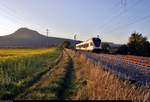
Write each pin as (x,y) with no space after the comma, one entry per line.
(58,83)
(16,74)
(138,45)
(122,49)
(137,38)
(105,47)
(66,44)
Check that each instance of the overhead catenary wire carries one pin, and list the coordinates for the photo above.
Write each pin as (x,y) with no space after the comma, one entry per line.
(130,18)
(112,19)
(12,15)
(131,23)
(114,7)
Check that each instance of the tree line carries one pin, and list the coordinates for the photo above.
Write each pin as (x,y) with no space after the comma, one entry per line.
(137,45)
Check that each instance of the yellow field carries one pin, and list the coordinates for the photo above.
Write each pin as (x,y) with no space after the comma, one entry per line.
(11,53)
(20,68)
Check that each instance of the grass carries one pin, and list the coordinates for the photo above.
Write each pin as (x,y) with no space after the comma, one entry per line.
(56,84)
(95,83)
(63,75)
(25,67)
(15,53)
(69,89)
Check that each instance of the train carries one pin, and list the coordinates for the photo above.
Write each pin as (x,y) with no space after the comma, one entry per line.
(93,45)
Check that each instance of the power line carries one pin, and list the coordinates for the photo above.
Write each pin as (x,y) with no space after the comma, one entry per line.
(130,18)
(131,23)
(112,9)
(119,14)
(13,13)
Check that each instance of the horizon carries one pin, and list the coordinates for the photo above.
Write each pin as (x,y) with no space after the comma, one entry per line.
(49,36)
(112,20)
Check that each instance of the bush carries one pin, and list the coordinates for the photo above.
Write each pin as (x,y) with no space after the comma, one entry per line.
(105,47)
(138,45)
(66,44)
(122,49)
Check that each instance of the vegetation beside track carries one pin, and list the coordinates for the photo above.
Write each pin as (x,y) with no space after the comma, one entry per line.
(68,75)
(57,83)
(95,83)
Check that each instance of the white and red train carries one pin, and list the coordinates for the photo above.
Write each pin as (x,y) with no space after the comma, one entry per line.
(93,44)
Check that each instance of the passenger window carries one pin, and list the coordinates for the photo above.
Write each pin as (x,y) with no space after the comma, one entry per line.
(91,44)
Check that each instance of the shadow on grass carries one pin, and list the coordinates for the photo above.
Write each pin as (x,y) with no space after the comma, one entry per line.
(67,84)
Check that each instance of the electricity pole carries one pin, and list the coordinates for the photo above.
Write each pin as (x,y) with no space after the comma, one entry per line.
(97,36)
(47,36)
(75,37)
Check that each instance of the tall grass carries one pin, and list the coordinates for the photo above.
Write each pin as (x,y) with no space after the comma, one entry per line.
(97,83)
(17,73)
(56,84)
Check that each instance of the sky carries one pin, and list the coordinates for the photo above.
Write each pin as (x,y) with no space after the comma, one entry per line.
(112,20)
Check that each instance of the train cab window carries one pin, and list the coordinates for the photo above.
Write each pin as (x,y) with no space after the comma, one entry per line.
(91,44)
(97,42)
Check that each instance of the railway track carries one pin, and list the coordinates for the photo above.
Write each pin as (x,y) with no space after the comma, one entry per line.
(144,61)
(127,67)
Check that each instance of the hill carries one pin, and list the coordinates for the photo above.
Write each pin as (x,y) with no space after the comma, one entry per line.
(25,37)
(113,45)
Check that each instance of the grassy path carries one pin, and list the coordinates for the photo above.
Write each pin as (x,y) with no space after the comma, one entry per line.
(68,88)
(43,78)
(58,83)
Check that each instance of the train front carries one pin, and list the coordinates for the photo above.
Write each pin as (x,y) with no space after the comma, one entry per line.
(97,44)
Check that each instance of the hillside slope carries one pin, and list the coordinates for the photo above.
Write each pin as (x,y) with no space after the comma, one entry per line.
(25,37)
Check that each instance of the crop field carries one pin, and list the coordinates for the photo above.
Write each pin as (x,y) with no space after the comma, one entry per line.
(19,68)
(13,53)
(63,74)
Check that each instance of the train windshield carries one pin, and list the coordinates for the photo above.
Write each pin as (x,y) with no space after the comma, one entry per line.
(97,42)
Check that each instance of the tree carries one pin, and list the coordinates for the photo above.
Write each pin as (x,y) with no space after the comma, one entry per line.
(145,49)
(138,45)
(137,38)
(65,44)
(105,47)
(123,49)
